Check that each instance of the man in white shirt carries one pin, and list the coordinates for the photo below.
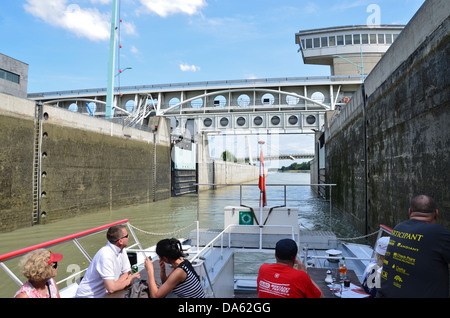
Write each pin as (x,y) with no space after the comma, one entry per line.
(110,270)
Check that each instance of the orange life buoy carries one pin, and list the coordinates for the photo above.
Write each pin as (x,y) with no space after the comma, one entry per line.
(346,99)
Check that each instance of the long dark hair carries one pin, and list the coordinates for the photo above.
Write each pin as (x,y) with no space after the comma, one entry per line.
(170,248)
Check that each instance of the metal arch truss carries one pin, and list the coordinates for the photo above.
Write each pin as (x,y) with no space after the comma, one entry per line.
(137,115)
(250,115)
(250,118)
(222,106)
(178,107)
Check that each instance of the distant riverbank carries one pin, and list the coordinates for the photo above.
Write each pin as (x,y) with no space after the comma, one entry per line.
(295,171)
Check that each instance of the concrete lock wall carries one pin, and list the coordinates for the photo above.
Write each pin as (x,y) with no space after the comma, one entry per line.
(87,164)
(16,161)
(406,124)
(220,172)
(234,173)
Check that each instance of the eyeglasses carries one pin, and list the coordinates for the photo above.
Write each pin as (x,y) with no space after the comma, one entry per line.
(126,236)
(55,265)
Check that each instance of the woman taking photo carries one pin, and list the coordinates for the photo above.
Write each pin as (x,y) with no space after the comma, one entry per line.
(182,280)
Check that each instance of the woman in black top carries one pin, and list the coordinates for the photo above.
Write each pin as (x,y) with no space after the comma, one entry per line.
(183,280)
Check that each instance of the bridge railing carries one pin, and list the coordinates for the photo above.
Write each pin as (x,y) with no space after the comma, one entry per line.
(189,85)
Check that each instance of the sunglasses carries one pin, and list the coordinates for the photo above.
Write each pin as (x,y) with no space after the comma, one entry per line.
(126,236)
(55,265)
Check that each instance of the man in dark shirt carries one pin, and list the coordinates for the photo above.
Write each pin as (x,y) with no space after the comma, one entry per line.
(417,258)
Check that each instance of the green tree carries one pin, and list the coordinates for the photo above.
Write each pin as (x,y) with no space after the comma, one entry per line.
(298,166)
(228,156)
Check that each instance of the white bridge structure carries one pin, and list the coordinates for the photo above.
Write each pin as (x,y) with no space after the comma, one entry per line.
(232,107)
(267,106)
(251,106)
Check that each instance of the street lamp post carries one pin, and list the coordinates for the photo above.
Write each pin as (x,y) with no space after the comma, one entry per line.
(111,63)
(123,70)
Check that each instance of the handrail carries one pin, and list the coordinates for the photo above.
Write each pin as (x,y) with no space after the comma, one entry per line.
(207,246)
(212,84)
(329,185)
(268,184)
(228,231)
(385,228)
(72,237)
(11,255)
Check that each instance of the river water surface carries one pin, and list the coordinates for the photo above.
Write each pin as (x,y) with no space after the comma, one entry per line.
(174,217)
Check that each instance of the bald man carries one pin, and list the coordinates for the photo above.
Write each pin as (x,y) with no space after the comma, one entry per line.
(418,254)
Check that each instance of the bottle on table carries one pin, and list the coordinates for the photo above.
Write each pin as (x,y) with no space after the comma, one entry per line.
(343,268)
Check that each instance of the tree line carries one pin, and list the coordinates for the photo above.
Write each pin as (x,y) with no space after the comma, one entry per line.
(297,166)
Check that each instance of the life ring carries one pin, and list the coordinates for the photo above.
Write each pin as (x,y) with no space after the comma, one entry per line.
(346,99)
(246,219)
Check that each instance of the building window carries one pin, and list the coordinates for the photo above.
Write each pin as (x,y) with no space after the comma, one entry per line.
(308,43)
(381,38)
(316,42)
(332,41)
(9,76)
(364,38)
(356,39)
(348,39)
(340,40)
(324,41)
(388,38)
(373,39)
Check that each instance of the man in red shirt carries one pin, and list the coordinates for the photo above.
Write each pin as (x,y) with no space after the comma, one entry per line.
(282,280)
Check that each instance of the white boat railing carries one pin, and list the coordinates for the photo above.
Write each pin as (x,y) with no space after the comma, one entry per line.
(213,246)
(208,252)
(381,230)
(211,249)
(285,186)
(70,238)
(210,246)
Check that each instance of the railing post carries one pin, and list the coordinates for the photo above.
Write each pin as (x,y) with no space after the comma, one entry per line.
(221,247)
(83,251)
(209,280)
(330,208)
(10,274)
(135,239)
(198,236)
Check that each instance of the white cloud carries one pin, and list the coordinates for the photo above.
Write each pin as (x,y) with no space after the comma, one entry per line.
(189,68)
(134,50)
(345,5)
(311,8)
(101,1)
(128,28)
(87,22)
(165,8)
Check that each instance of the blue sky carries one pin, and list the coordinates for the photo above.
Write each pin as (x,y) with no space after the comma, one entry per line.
(66,42)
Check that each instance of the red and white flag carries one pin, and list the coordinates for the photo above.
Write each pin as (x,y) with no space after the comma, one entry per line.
(262,181)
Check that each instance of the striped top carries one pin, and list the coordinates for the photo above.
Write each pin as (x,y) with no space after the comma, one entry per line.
(190,287)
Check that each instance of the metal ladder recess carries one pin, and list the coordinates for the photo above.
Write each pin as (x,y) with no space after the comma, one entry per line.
(36,164)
